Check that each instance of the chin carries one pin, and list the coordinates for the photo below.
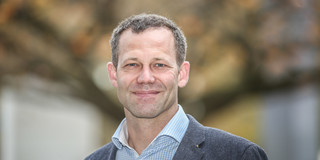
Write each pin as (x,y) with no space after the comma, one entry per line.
(146,114)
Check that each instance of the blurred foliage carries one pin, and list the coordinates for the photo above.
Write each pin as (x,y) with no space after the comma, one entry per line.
(235,47)
(242,117)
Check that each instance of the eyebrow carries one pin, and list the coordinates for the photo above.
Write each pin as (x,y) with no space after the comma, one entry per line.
(160,59)
(130,58)
(137,59)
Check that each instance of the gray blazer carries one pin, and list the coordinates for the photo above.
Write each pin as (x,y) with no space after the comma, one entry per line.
(200,142)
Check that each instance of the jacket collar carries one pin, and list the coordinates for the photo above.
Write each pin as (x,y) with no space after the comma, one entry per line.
(112,155)
(190,146)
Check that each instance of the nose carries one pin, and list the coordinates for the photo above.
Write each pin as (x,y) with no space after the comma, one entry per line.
(146,76)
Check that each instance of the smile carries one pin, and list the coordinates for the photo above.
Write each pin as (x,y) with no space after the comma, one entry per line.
(146,93)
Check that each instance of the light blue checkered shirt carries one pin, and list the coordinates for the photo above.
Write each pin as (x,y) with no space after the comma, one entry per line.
(163,147)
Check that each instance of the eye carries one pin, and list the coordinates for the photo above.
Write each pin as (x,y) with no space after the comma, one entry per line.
(132,64)
(159,65)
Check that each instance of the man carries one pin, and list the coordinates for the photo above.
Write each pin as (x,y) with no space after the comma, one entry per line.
(148,65)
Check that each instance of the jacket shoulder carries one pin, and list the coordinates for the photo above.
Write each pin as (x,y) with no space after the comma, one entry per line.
(223,145)
(232,146)
(223,137)
(106,152)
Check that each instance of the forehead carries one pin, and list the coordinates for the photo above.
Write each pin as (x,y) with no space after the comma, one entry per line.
(160,37)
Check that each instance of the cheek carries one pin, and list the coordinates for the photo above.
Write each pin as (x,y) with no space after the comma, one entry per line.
(125,80)
(170,79)
(122,89)
(122,83)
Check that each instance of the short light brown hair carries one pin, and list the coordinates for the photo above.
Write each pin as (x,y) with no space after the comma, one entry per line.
(141,22)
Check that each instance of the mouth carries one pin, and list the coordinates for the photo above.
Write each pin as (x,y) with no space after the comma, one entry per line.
(146,94)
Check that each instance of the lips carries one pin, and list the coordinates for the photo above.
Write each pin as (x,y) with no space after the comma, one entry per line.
(146,93)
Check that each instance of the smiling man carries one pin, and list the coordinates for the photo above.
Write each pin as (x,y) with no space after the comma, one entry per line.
(148,66)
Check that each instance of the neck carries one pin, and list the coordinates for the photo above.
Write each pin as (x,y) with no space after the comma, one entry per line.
(142,131)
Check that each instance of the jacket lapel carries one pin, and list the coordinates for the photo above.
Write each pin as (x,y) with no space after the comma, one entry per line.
(112,156)
(190,146)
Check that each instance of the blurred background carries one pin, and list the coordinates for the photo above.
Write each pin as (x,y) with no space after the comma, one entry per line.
(254,72)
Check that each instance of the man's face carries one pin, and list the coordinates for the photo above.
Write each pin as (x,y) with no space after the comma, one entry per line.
(147,76)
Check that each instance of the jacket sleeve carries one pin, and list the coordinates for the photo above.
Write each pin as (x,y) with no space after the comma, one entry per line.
(254,152)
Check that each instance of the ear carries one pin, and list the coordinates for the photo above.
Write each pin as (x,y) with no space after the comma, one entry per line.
(184,74)
(112,72)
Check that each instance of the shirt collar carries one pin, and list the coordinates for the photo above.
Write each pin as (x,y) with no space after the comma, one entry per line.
(120,136)
(175,128)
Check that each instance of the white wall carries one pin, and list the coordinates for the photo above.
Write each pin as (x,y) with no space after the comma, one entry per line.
(41,121)
(291,124)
